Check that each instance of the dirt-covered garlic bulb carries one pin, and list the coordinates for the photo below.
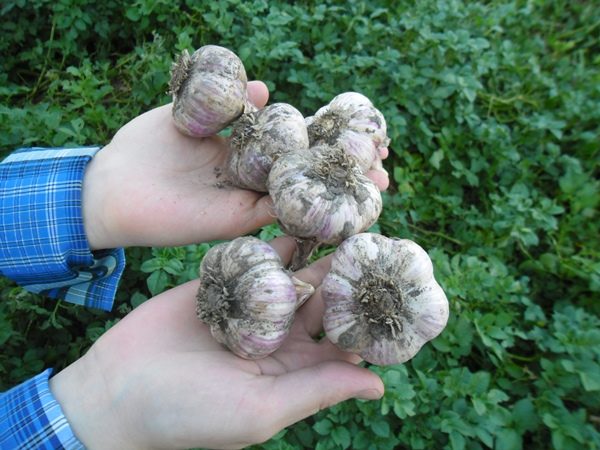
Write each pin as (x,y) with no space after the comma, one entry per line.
(321,196)
(381,299)
(247,298)
(352,122)
(209,90)
(260,137)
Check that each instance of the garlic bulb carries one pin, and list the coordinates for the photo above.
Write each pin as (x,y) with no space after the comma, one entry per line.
(381,299)
(260,137)
(352,122)
(208,89)
(247,298)
(320,195)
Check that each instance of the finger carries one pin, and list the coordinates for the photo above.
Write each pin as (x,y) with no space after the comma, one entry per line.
(302,393)
(315,272)
(384,153)
(380,178)
(310,316)
(330,349)
(250,211)
(262,213)
(258,93)
(284,246)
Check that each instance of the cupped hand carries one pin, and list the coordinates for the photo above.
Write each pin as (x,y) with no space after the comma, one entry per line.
(158,379)
(154,186)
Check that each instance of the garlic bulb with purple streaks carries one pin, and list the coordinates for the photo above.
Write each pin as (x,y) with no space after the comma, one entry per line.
(352,122)
(247,298)
(209,90)
(381,299)
(321,196)
(260,137)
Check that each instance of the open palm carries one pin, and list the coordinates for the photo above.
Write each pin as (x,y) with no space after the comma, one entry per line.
(168,384)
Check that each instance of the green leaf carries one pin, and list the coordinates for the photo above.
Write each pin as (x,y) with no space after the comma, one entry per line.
(479,406)
(341,437)
(157,282)
(457,441)
(323,427)
(590,380)
(137,299)
(174,267)
(524,415)
(436,158)
(381,428)
(508,439)
(151,265)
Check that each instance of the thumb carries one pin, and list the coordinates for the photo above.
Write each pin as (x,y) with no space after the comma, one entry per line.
(304,392)
(263,212)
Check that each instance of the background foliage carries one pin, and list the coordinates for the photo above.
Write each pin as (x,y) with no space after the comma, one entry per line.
(493,108)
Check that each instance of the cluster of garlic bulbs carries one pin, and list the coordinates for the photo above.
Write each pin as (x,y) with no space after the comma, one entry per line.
(381,299)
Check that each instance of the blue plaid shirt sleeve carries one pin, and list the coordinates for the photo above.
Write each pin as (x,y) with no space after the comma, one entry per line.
(43,246)
(31,418)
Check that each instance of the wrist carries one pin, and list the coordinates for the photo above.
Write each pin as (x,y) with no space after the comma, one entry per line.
(93,209)
(85,401)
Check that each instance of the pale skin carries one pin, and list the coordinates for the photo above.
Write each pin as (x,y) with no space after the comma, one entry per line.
(158,379)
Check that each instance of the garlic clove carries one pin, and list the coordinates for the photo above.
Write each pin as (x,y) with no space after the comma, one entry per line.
(351,122)
(303,291)
(208,89)
(381,299)
(259,138)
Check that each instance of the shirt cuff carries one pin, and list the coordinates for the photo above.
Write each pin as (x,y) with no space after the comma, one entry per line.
(30,417)
(44,247)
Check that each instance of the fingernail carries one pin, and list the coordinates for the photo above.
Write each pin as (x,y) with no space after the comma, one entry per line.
(369,394)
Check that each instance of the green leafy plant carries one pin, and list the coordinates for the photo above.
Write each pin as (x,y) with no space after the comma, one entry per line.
(493,112)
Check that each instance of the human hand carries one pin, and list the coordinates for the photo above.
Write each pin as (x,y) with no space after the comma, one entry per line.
(158,379)
(154,186)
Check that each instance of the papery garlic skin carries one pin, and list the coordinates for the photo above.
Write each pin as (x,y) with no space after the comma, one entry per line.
(258,138)
(321,194)
(382,301)
(208,89)
(352,122)
(246,297)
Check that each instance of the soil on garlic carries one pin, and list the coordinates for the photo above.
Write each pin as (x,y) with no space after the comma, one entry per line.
(180,72)
(327,128)
(217,303)
(258,138)
(336,171)
(244,130)
(339,172)
(380,309)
